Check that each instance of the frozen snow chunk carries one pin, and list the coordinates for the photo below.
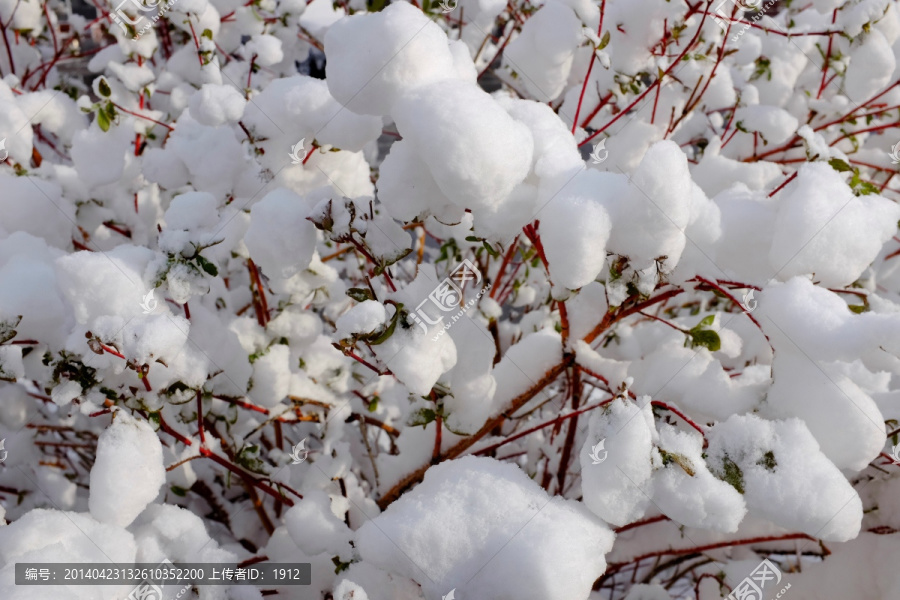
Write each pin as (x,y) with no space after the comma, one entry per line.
(555,151)
(485,529)
(386,239)
(301,107)
(315,528)
(99,156)
(264,49)
(525,363)
(748,219)
(375,58)
(407,189)
(53,111)
(541,55)
(716,173)
(472,384)
(280,239)
(872,64)
(100,284)
(216,105)
(775,125)
(574,230)
(365,317)
(128,471)
(824,230)
(784,477)
(37,207)
(695,380)
(649,224)
(271,376)
(844,419)
(685,490)
(44,535)
(616,461)
(167,531)
(475,151)
(193,210)
(417,358)
(24,257)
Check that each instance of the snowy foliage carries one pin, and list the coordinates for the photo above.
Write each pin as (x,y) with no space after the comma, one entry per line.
(532,300)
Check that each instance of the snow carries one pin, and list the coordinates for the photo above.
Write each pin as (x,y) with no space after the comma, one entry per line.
(314,527)
(280,239)
(541,55)
(271,376)
(687,492)
(43,535)
(658,208)
(365,317)
(375,59)
(127,472)
(473,513)
(301,108)
(475,151)
(216,105)
(794,485)
(823,229)
(612,488)
(20,194)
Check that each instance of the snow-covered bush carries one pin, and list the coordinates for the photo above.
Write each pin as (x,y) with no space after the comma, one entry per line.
(555,300)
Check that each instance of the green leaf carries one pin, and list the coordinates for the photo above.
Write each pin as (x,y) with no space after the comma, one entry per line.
(207,266)
(490,250)
(8,329)
(604,41)
(373,405)
(707,338)
(682,461)
(103,88)
(732,474)
(178,491)
(389,330)
(858,308)
(360,294)
(707,321)
(422,417)
(102,120)
(839,165)
(768,461)
(207,33)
